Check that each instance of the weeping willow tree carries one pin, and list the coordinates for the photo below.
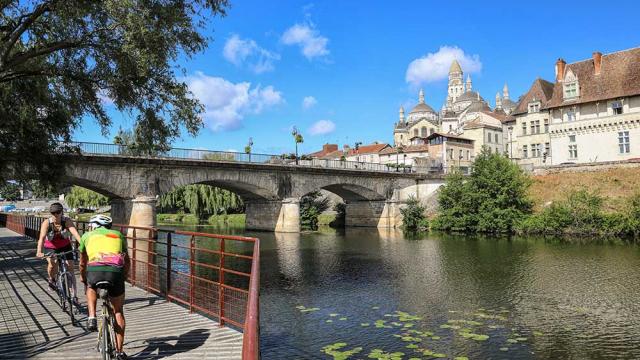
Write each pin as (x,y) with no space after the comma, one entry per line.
(81,197)
(201,200)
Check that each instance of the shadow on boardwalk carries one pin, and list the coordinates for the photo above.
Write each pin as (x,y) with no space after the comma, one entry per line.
(33,324)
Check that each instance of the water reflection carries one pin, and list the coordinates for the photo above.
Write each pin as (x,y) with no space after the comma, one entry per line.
(566,300)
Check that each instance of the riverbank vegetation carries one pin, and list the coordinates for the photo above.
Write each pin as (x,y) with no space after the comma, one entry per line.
(493,199)
(232,220)
(496,198)
(79,197)
(413,218)
(202,201)
(312,206)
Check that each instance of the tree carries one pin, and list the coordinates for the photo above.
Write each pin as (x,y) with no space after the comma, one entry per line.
(10,191)
(493,198)
(311,206)
(201,200)
(413,218)
(60,60)
(81,197)
(42,191)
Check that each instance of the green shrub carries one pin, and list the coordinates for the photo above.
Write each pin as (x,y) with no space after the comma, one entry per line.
(413,218)
(492,199)
(311,206)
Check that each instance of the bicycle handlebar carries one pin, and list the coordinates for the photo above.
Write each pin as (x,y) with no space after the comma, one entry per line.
(54,254)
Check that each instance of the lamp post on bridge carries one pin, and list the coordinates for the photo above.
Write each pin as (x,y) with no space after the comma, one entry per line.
(297,137)
(247,149)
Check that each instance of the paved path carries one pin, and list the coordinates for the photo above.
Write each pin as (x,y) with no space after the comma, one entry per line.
(33,325)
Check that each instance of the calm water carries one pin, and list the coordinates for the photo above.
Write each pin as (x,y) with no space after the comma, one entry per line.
(534,299)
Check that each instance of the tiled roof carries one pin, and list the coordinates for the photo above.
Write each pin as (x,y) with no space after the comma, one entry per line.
(540,90)
(406,149)
(477,123)
(619,76)
(497,114)
(368,149)
(447,136)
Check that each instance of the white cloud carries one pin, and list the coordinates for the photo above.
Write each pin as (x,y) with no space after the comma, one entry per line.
(227,103)
(435,66)
(307,37)
(240,51)
(309,102)
(322,127)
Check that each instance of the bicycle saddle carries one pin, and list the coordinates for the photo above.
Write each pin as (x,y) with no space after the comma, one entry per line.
(105,284)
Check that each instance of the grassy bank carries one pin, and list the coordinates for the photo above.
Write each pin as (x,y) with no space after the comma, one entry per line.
(615,186)
(190,219)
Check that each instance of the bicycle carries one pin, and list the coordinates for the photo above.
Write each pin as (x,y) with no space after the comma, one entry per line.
(106,332)
(64,281)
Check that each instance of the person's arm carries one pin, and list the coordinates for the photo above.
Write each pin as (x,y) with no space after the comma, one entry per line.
(72,229)
(127,260)
(44,227)
(84,259)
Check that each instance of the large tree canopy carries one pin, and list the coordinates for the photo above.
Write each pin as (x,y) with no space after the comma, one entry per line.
(60,60)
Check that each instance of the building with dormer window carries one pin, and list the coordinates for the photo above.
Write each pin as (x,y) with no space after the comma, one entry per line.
(595,109)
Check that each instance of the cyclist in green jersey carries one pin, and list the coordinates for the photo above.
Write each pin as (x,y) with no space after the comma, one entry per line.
(103,257)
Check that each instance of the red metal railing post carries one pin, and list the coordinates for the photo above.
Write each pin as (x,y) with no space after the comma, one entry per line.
(168,277)
(151,257)
(192,267)
(221,283)
(135,258)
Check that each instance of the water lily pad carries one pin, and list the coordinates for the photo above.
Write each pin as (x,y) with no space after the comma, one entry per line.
(460,358)
(480,337)
(504,349)
(364,324)
(334,350)
(512,341)
(412,346)
(329,321)
(309,309)
(537,333)
(342,319)
(521,338)
(439,355)
(333,315)
(375,307)
(435,338)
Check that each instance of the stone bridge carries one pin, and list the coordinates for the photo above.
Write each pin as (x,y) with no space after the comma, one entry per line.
(271,192)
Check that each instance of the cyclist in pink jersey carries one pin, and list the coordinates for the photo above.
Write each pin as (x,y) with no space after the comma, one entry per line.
(55,236)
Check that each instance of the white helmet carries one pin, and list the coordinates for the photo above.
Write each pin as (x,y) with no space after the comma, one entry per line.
(100,220)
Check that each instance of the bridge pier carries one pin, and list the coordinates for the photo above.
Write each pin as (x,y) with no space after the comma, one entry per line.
(273,215)
(376,213)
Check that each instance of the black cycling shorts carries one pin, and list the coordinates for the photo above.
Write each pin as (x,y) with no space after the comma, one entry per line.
(116,278)
(61,250)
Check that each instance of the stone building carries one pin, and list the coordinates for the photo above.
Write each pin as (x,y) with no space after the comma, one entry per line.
(595,109)
(451,151)
(530,144)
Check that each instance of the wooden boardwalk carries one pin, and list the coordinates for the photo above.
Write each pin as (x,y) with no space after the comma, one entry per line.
(33,325)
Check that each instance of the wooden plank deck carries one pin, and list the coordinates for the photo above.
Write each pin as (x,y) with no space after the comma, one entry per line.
(33,325)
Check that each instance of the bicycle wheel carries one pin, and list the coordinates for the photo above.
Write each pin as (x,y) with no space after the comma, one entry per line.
(112,332)
(105,346)
(61,292)
(69,299)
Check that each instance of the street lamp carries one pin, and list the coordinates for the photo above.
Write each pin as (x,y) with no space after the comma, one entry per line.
(247,149)
(297,137)
(398,152)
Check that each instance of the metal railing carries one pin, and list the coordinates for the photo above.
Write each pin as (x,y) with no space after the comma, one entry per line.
(88,148)
(215,275)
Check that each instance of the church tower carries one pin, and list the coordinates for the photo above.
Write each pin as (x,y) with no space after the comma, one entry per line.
(456,82)
(505,92)
(498,101)
(468,87)
(401,115)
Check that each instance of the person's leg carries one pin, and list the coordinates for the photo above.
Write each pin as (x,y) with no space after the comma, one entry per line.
(51,270)
(92,298)
(118,308)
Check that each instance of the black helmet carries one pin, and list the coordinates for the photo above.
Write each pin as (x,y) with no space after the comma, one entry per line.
(56,208)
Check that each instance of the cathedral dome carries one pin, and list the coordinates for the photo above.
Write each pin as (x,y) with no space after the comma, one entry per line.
(455,67)
(478,106)
(470,96)
(422,107)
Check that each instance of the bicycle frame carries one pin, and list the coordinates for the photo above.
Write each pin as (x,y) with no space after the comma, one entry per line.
(64,282)
(106,346)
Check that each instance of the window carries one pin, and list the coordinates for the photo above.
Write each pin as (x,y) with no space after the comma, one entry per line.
(623,142)
(460,156)
(547,149)
(571,115)
(573,151)
(489,137)
(546,125)
(496,138)
(570,90)
(534,107)
(431,131)
(537,125)
(450,128)
(616,106)
(468,155)
(572,138)
(423,132)
(535,150)
(524,152)
(524,128)
(533,127)
(415,132)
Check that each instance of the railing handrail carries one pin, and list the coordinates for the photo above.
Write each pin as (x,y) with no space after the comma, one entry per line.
(30,226)
(233,156)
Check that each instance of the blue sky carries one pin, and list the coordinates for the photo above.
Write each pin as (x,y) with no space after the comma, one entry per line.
(352,60)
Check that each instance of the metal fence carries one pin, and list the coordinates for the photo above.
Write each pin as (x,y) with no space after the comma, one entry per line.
(88,148)
(216,275)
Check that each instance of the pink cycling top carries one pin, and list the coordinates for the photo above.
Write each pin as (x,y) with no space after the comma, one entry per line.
(57,239)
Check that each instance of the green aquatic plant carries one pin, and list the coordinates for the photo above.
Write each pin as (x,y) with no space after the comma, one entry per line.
(381,355)
(364,324)
(334,350)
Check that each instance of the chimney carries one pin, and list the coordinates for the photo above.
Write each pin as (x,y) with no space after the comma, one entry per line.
(560,69)
(597,62)
(329,148)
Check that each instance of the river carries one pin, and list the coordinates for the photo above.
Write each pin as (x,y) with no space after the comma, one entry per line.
(443,295)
